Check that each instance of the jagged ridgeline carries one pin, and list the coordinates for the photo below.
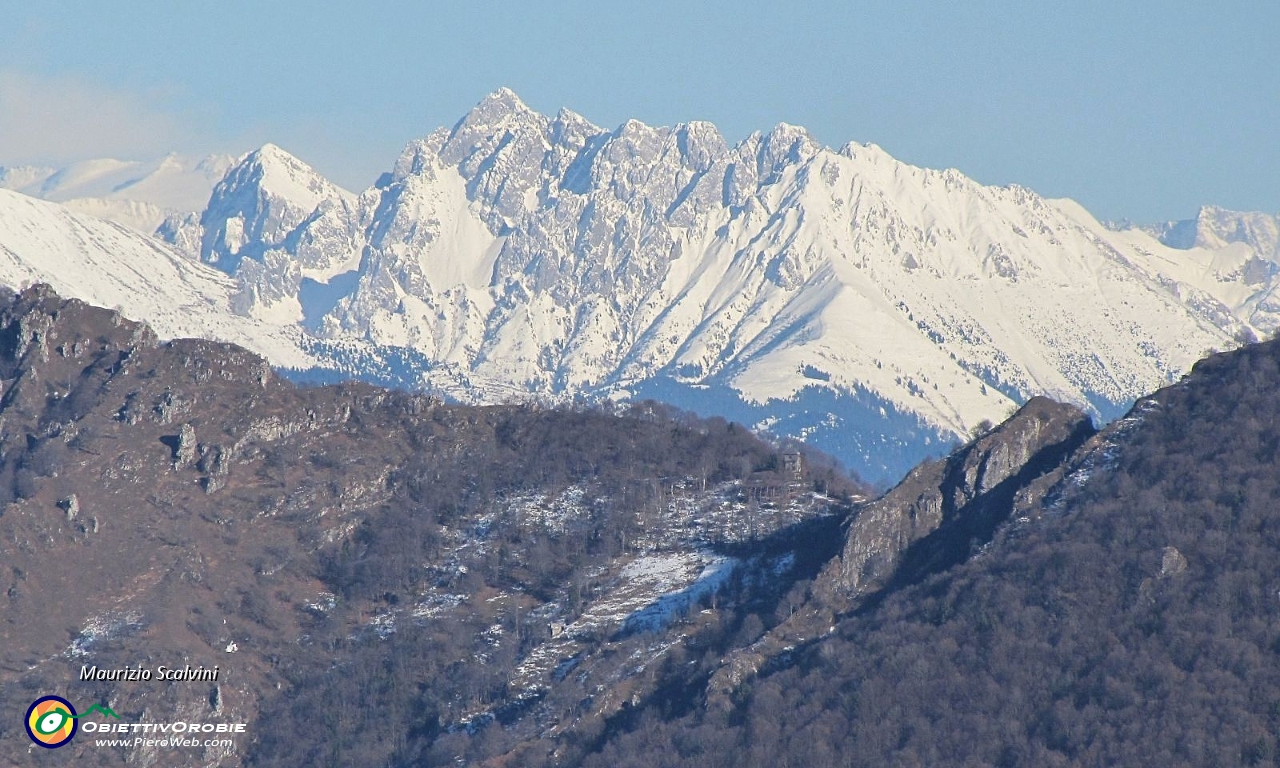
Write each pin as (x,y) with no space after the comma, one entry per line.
(376,575)
(873,309)
(877,310)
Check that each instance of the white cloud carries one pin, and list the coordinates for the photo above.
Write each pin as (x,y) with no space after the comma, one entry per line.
(56,120)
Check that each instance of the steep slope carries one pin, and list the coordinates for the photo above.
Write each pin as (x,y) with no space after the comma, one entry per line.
(109,265)
(944,510)
(817,293)
(269,204)
(137,194)
(1125,615)
(938,516)
(444,584)
(876,310)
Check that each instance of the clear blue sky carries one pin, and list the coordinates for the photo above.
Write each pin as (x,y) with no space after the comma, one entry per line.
(1143,110)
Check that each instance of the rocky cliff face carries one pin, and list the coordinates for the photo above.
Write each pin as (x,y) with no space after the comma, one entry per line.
(1128,617)
(943,509)
(938,516)
(1215,227)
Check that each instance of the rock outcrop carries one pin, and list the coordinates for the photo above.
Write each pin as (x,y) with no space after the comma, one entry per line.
(943,509)
(941,513)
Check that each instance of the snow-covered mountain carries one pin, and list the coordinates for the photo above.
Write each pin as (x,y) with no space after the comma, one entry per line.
(1215,227)
(875,309)
(138,194)
(266,198)
(110,265)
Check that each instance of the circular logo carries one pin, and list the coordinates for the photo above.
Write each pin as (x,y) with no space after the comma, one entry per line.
(51,721)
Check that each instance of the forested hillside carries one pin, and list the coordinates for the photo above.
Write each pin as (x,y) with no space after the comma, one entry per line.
(406,582)
(379,570)
(1128,615)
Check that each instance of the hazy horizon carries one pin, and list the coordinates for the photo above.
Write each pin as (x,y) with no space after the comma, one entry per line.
(1143,112)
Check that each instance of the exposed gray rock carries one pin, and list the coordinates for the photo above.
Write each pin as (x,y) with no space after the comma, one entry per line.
(971,490)
(1172,562)
(936,517)
(185,452)
(70,505)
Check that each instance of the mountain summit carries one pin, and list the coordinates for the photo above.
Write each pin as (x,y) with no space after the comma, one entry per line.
(878,310)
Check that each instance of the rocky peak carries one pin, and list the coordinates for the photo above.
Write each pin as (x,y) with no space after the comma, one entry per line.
(499,120)
(502,107)
(956,502)
(1218,227)
(1215,228)
(261,200)
(499,148)
(184,474)
(785,145)
(37,318)
(47,342)
(546,255)
(701,144)
(419,158)
(571,124)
